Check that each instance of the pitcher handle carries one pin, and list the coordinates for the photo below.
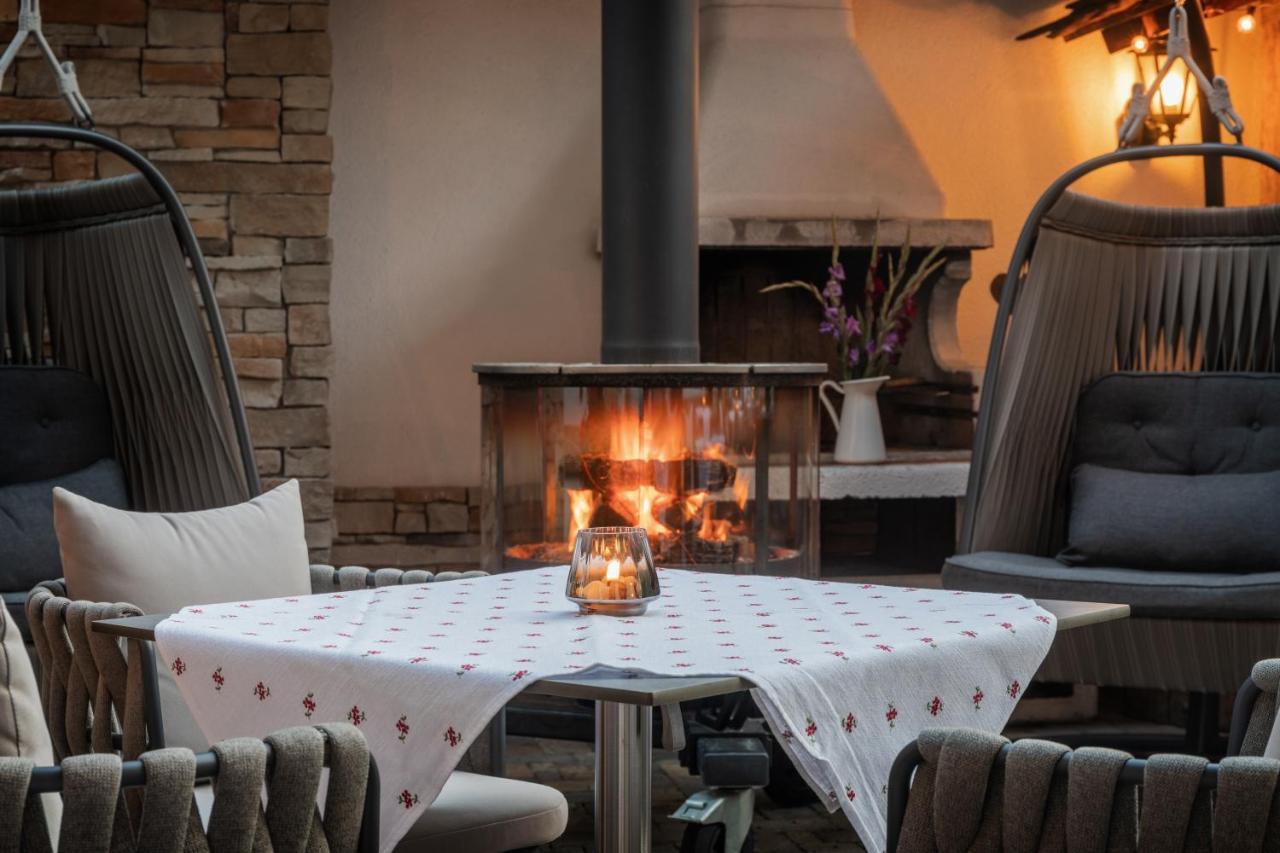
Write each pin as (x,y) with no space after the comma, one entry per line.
(831,410)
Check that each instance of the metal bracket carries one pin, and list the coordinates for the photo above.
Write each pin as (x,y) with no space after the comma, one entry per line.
(672,727)
(1216,93)
(733,808)
(29,25)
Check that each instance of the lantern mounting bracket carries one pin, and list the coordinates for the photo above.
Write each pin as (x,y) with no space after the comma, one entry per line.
(1216,93)
(31,25)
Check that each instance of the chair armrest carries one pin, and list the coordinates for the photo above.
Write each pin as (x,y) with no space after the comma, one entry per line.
(326,579)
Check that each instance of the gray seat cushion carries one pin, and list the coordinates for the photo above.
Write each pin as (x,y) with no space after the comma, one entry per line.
(480,814)
(1195,595)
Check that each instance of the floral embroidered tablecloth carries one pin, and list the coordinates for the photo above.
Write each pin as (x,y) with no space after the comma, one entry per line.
(845,674)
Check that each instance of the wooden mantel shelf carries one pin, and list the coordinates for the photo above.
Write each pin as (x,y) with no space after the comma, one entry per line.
(765,233)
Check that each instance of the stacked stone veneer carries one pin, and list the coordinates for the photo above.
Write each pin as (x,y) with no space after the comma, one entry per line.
(408,527)
(231,100)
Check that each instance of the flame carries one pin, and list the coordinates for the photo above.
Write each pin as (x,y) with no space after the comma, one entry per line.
(624,488)
(613,571)
(582,502)
(713,529)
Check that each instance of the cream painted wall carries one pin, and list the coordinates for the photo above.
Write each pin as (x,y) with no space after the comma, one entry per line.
(466,200)
(467,187)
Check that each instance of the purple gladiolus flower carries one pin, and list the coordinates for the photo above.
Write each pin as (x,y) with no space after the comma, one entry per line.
(851,326)
(890,341)
(837,271)
(833,291)
(855,355)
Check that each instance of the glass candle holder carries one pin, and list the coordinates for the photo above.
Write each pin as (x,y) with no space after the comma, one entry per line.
(612,571)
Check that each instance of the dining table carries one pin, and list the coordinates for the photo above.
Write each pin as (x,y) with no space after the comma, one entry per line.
(624,703)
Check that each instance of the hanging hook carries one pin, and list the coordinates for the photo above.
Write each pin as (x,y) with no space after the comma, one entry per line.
(1216,93)
(30,25)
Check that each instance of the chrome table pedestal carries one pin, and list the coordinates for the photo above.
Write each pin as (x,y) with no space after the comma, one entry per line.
(624,749)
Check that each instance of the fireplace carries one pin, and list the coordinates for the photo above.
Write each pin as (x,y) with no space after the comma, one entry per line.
(717,462)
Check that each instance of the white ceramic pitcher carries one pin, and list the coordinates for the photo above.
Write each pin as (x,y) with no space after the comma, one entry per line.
(859,435)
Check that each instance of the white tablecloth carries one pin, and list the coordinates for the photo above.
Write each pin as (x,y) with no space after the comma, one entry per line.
(846,674)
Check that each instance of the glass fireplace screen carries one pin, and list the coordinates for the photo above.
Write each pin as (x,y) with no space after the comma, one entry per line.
(722,476)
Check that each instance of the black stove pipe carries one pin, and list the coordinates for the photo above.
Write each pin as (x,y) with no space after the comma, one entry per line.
(650,187)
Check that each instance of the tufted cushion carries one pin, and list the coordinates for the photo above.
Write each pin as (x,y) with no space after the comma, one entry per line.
(1180,423)
(28,544)
(53,421)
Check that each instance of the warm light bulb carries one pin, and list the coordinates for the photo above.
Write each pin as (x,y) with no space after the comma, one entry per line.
(1171,88)
(1140,44)
(1247,23)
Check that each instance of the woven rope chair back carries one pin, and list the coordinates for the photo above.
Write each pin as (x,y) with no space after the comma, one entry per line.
(289,763)
(974,791)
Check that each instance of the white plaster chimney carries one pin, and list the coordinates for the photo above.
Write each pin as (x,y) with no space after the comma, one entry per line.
(793,123)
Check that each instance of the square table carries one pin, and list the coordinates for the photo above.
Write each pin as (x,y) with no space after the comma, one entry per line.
(624,721)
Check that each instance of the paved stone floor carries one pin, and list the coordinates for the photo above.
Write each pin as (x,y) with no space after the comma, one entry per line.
(567,765)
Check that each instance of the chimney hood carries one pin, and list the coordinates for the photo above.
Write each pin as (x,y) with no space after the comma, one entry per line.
(793,123)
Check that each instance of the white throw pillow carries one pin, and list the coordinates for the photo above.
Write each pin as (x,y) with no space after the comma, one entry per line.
(164,561)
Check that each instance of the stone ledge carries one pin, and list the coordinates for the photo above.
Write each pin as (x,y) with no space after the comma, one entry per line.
(765,233)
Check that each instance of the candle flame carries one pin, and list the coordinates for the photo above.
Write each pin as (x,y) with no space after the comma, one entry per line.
(613,571)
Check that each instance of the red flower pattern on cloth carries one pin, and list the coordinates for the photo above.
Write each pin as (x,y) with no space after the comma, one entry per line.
(262,691)
(801,647)
(977,698)
(1014,689)
(178,667)
(810,729)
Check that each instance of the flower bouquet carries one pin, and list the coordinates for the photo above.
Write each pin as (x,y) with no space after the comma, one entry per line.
(869,335)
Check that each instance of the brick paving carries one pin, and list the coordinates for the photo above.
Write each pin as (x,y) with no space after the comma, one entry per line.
(567,766)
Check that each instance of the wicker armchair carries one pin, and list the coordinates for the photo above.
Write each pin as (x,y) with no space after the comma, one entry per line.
(158,814)
(960,789)
(103,696)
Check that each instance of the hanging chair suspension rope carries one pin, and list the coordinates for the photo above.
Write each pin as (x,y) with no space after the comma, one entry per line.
(1216,92)
(30,25)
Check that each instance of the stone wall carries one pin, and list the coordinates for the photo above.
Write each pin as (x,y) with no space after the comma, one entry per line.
(231,100)
(413,527)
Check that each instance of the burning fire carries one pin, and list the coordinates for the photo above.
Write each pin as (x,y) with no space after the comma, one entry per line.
(651,478)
